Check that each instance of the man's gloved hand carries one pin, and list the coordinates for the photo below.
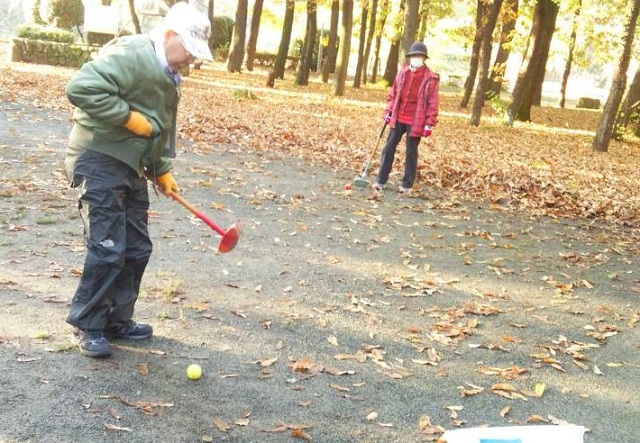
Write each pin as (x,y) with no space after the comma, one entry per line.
(138,124)
(386,116)
(427,131)
(167,182)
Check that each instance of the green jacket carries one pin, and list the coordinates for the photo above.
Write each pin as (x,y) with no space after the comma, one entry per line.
(125,76)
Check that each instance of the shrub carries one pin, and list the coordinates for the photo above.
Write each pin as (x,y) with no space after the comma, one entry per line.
(221,32)
(37,32)
(66,14)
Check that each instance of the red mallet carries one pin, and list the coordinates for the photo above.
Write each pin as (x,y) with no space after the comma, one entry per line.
(229,237)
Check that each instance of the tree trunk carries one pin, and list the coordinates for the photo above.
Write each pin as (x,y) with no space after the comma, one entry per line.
(411,23)
(572,46)
(345,47)
(361,44)
(475,52)
(367,50)
(328,64)
(605,127)
(424,18)
(391,69)
(210,5)
(285,39)
(485,59)
(236,55)
(134,17)
(384,13)
(631,101)
(253,35)
(509,16)
(534,64)
(306,54)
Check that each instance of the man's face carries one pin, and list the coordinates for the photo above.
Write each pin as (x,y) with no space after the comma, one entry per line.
(177,55)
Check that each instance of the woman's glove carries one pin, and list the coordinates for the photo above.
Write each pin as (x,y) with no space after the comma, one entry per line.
(427,131)
(167,183)
(138,124)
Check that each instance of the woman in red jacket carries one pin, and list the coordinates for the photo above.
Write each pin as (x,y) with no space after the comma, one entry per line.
(412,109)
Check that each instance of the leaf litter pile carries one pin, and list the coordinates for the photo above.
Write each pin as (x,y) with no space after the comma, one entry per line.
(546,167)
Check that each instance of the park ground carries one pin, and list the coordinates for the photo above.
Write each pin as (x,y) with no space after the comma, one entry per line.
(342,315)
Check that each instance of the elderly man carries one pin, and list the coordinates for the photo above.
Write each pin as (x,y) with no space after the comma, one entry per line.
(124,129)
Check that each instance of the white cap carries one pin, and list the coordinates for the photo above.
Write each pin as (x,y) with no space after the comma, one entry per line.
(192,26)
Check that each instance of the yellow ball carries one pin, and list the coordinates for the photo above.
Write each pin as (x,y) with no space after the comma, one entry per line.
(194,372)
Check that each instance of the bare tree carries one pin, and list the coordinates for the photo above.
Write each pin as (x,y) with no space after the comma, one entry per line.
(384,13)
(134,17)
(485,59)
(475,53)
(236,55)
(372,29)
(411,23)
(253,34)
(391,69)
(332,45)
(534,64)
(362,42)
(210,5)
(572,46)
(604,131)
(345,47)
(507,29)
(285,39)
(306,54)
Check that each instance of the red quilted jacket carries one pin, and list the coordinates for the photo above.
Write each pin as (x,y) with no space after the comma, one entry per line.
(427,109)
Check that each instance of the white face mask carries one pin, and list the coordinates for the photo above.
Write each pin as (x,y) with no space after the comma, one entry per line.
(416,62)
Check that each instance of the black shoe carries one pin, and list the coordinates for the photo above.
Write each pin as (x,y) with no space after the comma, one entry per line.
(129,331)
(92,343)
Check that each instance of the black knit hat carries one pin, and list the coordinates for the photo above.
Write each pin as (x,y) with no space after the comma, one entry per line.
(418,48)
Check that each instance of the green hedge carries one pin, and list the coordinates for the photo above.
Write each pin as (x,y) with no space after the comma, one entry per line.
(37,32)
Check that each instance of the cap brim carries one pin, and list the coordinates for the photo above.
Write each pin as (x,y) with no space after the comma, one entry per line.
(198,48)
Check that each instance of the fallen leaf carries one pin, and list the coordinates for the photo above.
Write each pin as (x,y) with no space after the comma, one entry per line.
(111,427)
(504,411)
(333,340)
(221,424)
(299,433)
(373,415)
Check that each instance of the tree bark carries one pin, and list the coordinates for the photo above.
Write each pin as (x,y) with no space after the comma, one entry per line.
(236,55)
(210,5)
(361,43)
(253,34)
(384,13)
(411,23)
(424,18)
(285,39)
(630,102)
(391,68)
(345,47)
(328,64)
(604,131)
(134,17)
(306,54)
(572,46)
(534,64)
(475,52)
(367,50)
(485,59)
(508,26)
